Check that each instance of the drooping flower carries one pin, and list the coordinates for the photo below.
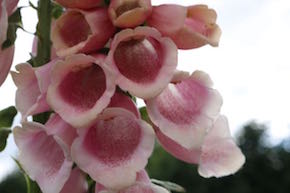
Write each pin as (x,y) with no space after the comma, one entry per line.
(145,61)
(129,13)
(80,4)
(189,27)
(81,87)
(32,84)
(79,31)
(76,183)
(185,110)
(45,152)
(115,148)
(6,59)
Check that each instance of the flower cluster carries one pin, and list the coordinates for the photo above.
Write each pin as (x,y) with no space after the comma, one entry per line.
(107,54)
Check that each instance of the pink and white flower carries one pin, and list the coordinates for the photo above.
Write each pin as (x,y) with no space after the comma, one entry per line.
(145,61)
(79,31)
(114,149)
(189,27)
(81,87)
(80,4)
(129,13)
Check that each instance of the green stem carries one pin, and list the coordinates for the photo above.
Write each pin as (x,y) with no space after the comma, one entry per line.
(43,33)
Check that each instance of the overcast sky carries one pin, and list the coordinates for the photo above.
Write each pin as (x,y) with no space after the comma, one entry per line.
(251,67)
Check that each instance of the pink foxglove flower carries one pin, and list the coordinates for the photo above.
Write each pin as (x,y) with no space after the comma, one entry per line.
(189,27)
(81,87)
(32,84)
(129,13)
(45,152)
(78,31)
(7,54)
(114,149)
(80,4)
(185,110)
(145,61)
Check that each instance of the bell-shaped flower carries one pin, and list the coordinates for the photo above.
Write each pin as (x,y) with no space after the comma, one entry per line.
(6,59)
(220,156)
(115,148)
(78,31)
(76,183)
(189,27)
(80,4)
(129,13)
(32,84)
(45,152)
(142,185)
(3,22)
(145,61)
(185,110)
(81,87)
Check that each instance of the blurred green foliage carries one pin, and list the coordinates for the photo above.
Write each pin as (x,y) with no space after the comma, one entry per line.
(267,169)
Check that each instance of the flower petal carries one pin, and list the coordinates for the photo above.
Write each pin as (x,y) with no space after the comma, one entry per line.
(78,31)
(220,155)
(115,148)
(145,61)
(42,157)
(186,110)
(3,23)
(76,183)
(129,13)
(81,88)
(11,6)
(80,4)
(6,58)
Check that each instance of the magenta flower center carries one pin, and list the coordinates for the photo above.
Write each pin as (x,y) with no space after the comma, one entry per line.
(139,60)
(84,87)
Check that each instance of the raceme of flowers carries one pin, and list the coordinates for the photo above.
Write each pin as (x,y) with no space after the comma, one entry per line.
(95,125)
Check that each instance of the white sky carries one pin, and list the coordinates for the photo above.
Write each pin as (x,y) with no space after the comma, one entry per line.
(251,67)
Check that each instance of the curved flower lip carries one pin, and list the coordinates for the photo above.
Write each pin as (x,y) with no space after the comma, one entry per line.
(42,156)
(32,84)
(114,171)
(220,155)
(189,27)
(80,4)
(93,29)
(71,112)
(128,13)
(6,59)
(76,183)
(167,58)
(196,108)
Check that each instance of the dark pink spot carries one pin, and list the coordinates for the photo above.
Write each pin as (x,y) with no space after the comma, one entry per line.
(186,105)
(114,140)
(83,88)
(75,29)
(139,60)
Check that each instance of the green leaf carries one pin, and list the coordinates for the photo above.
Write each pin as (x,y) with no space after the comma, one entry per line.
(57,10)
(169,185)
(7,116)
(4,133)
(144,115)
(15,22)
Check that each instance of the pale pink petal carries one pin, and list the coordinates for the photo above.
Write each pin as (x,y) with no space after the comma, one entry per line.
(121,100)
(30,99)
(81,88)
(6,58)
(115,148)
(199,29)
(58,127)
(76,183)
(42,157)
(167,18)
(129,13)
(80,4)
(78,31)
(145,61)
(179,76)
(186,110)
(11,6)
(220,155)
(3,24)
